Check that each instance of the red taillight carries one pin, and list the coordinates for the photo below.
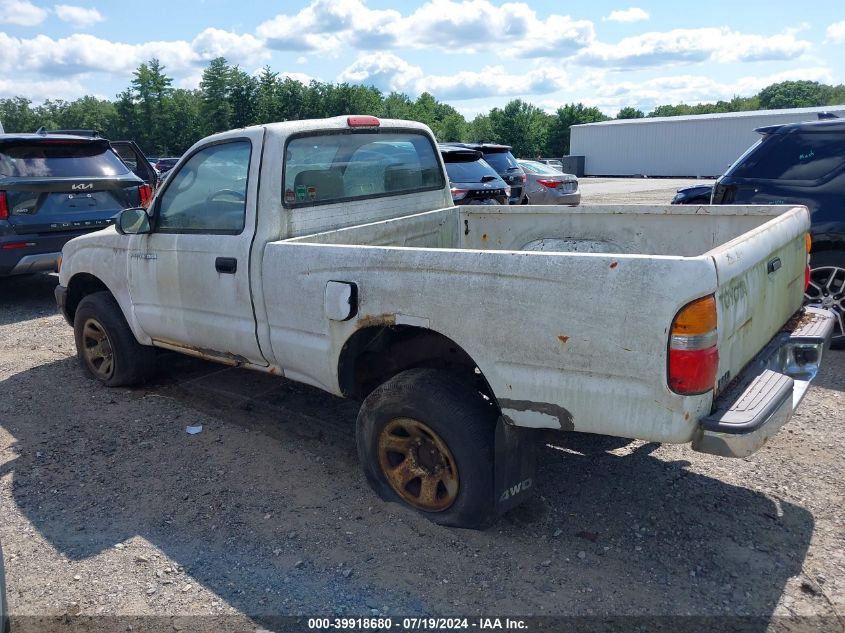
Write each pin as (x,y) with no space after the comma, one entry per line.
(693,354)
(4,206)
(551,184)
(807,278)
(459,194)
(362,121)
(16,245)
(146,194)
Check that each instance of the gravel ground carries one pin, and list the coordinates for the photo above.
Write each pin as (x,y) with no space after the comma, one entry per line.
(111,510)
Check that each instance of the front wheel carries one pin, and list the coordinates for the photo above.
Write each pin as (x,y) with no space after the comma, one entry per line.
(827,289)
(106,347)
(425,438)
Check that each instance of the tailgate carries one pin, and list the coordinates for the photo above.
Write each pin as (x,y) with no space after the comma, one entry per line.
(46,205)
(761,285)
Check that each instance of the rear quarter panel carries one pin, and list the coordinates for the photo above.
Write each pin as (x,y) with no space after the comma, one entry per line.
(569,341)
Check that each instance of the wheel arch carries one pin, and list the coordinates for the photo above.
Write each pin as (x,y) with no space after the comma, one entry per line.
(374,354)
(80,286)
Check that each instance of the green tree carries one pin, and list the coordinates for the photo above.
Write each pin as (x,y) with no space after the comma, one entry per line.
(794,94)
(215,88)
(521,125)
(243,89)
(630,113)
(565,117)
(17,115)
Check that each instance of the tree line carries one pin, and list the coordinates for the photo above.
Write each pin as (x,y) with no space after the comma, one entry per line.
(165,120)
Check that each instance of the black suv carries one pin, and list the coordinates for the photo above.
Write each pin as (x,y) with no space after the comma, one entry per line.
(472,180)
(55,186)
(801,163)
(500,158)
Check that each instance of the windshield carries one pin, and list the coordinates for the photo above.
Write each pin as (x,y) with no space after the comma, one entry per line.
(533,167)
(59,160)
(501,161)
(793,156)
(470,171)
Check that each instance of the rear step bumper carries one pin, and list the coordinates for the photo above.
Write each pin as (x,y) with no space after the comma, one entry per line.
(769,389)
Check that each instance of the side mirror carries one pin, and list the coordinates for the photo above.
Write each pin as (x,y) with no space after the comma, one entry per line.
(133,222)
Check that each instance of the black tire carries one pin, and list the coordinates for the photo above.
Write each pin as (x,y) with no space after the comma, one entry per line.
(460,419)
(829,266)
(124,360)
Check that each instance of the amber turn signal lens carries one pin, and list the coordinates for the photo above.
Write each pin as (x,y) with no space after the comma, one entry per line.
(808,241)
(698,317)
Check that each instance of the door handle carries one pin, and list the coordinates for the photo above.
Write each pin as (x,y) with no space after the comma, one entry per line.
(227,265)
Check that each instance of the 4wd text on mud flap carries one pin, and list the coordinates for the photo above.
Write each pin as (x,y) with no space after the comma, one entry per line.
(514,490)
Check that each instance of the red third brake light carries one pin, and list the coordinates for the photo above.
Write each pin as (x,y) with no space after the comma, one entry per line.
(362,121)
(4,206)
(551,184)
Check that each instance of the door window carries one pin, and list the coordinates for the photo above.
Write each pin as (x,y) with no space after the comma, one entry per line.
(794,156)
(208,193)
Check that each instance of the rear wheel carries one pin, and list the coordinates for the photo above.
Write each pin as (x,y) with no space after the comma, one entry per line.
(425,438)
(106,347)
(827,288)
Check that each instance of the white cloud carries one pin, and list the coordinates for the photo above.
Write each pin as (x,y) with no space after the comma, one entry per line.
(676,46)
(836,32)
(301,60)
(388,72)
(238,49)
(634,14)
(21,12)
(456,26)
(84,53)
(80,17)
(39,91)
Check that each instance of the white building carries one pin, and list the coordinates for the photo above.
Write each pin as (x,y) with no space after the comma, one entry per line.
(697,145)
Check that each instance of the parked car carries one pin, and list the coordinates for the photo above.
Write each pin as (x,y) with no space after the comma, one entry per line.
(693,194)
(164,165)
(501,159)
(462,329)
(472,180)
(547,185)
(54,187)
(801,163)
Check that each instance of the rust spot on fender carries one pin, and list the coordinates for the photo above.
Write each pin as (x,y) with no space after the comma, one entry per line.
(614,264)
(563,338)
(484,237)
(377,319)
(686,416)
(564,417)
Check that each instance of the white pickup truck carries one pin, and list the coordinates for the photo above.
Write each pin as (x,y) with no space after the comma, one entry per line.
(330,252)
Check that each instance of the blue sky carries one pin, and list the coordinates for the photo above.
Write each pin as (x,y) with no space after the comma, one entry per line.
(473,54)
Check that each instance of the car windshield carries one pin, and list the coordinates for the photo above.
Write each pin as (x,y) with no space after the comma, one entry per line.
(470,170)
(533,167)
(501,161)
(794,156)
(59,159)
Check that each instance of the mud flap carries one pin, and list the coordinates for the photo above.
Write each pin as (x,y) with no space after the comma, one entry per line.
(515,465)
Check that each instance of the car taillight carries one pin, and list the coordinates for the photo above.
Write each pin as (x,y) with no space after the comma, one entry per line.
(146,193)
(459,194)
(4,206)
(551,184)
(808,243)
(693,351)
